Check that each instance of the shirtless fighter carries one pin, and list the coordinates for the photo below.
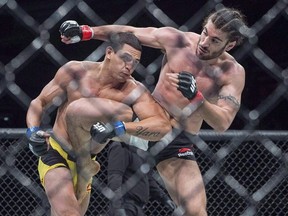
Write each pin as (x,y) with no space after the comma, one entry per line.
(108,88)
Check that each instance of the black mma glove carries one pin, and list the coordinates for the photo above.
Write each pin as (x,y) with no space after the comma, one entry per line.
(37,141)
(76,33)
(187,86)
(102,132)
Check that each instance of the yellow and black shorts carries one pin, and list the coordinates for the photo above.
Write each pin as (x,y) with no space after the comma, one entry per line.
(57,157)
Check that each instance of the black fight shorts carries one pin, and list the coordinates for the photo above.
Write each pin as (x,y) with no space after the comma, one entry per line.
(57,157)
(180,147)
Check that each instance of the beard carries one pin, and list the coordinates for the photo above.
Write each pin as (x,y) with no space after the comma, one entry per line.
(207,55)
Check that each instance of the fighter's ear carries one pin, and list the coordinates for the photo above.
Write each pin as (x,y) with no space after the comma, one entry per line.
(109,51)
(230,45)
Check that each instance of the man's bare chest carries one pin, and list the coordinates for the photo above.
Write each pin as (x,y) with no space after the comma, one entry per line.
(208,80)
(209,86)
(96,91)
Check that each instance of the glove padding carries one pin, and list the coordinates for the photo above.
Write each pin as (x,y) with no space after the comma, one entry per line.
(37,141)
(187,85)
(76,33)
(101,132)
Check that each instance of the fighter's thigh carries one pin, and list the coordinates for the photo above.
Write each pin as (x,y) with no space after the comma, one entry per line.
(60,190)
(189,182)
(85,204)
(184,180)
(99,108)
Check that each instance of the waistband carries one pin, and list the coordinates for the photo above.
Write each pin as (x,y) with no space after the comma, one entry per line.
(69,151)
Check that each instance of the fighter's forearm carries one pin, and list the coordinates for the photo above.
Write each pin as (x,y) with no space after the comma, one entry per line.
(72,32)
(102,32)
(34,114)
(217,117)
(147,36)
(148,129)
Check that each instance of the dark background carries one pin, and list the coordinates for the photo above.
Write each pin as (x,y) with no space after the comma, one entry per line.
(25,70)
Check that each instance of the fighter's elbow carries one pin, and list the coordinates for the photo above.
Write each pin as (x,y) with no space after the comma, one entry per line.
(37,105)
(159,129)
(222,127)
(166,128)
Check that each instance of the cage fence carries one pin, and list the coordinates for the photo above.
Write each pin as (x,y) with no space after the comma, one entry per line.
(245,171)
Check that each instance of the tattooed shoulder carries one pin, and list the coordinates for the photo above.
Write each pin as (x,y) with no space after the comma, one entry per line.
(230,98)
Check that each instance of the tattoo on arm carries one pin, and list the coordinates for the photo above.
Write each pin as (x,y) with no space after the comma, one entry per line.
(230,98)
(144,132)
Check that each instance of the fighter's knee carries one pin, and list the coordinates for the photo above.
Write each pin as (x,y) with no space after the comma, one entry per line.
(77,112)
(75,107)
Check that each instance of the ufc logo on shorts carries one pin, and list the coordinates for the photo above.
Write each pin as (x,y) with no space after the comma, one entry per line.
(99,127)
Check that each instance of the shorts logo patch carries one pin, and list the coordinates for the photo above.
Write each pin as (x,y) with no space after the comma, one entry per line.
(185,152)
(89,187)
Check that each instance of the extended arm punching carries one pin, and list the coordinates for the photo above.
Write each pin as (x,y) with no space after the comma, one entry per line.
(159,38)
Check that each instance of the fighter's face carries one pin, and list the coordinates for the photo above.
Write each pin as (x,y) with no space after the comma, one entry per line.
(128,58)
(125,61)
(212,42)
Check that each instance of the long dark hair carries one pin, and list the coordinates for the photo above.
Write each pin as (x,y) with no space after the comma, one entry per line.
(231,21)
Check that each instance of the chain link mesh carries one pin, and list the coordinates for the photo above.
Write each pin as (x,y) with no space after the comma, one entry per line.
(245,172)
(31,48)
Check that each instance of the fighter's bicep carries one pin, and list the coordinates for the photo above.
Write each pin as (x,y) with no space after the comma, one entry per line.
(229,98)
(161,38)
(63,79)
(52,92)
(148,37)
(148,107)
